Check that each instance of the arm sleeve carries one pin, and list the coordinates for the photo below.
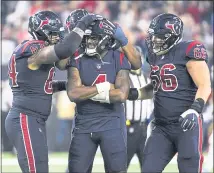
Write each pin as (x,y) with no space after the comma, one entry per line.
(68,46)
(196,50)
(122,62)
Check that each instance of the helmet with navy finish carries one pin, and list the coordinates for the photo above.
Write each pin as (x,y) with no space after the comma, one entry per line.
(165,31)
(46,26)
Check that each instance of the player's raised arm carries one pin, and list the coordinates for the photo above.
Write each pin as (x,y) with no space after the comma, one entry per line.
(66,47)
(133,56)
(117,33)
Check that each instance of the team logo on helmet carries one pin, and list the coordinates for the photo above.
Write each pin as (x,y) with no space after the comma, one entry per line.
(43,22)
(174,27)
(171,27)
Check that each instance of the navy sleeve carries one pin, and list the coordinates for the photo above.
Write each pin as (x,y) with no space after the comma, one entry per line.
(122,62)
(196,50)
(29,48)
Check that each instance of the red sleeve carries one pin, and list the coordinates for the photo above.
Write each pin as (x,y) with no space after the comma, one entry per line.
(122,62)
(29,48)
(196,50)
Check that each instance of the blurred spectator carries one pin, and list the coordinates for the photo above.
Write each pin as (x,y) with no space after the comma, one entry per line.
(194,10)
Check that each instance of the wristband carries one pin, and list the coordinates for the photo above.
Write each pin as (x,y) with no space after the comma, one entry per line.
(79,31)
(198,105)
(133,94)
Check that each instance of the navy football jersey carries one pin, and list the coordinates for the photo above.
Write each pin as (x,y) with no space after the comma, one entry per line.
(174,89)
(32,89)
(93,71)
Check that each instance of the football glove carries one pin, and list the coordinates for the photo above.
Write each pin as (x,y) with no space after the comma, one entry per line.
(88,19)
(120,36)
(107,27)
(188,119)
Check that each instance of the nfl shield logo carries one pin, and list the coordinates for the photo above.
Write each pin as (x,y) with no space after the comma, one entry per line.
(98,66)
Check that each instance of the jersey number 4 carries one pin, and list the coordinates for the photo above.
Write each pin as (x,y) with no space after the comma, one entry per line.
(167,82)
(99,79)
(12,71)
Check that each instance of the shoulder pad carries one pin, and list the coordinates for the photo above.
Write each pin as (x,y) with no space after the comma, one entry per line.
(28,48)
(196,50)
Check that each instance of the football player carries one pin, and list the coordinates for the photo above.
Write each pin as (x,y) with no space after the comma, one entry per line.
(98,83)
(181,86)
(31,72)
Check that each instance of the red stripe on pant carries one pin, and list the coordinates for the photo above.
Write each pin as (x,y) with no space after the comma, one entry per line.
(200,143)
(27,143)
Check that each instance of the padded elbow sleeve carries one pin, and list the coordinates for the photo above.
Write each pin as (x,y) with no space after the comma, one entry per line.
(68,46)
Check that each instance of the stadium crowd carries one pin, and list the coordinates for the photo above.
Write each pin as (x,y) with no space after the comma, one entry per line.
(133,16)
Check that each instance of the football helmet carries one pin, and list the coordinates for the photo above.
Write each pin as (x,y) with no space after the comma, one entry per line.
(165,31)
(96,41)
(74,17)
(47,26)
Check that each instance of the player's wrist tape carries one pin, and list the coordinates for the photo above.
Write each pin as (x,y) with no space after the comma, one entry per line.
(198,105)
(134,94)
(103,97)
(59,86)
(136,72)
(79,31)
(103,87)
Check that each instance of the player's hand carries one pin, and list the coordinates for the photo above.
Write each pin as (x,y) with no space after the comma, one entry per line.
(120,36)
(114,30)
(89,18)
(188,119)
(104,27)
